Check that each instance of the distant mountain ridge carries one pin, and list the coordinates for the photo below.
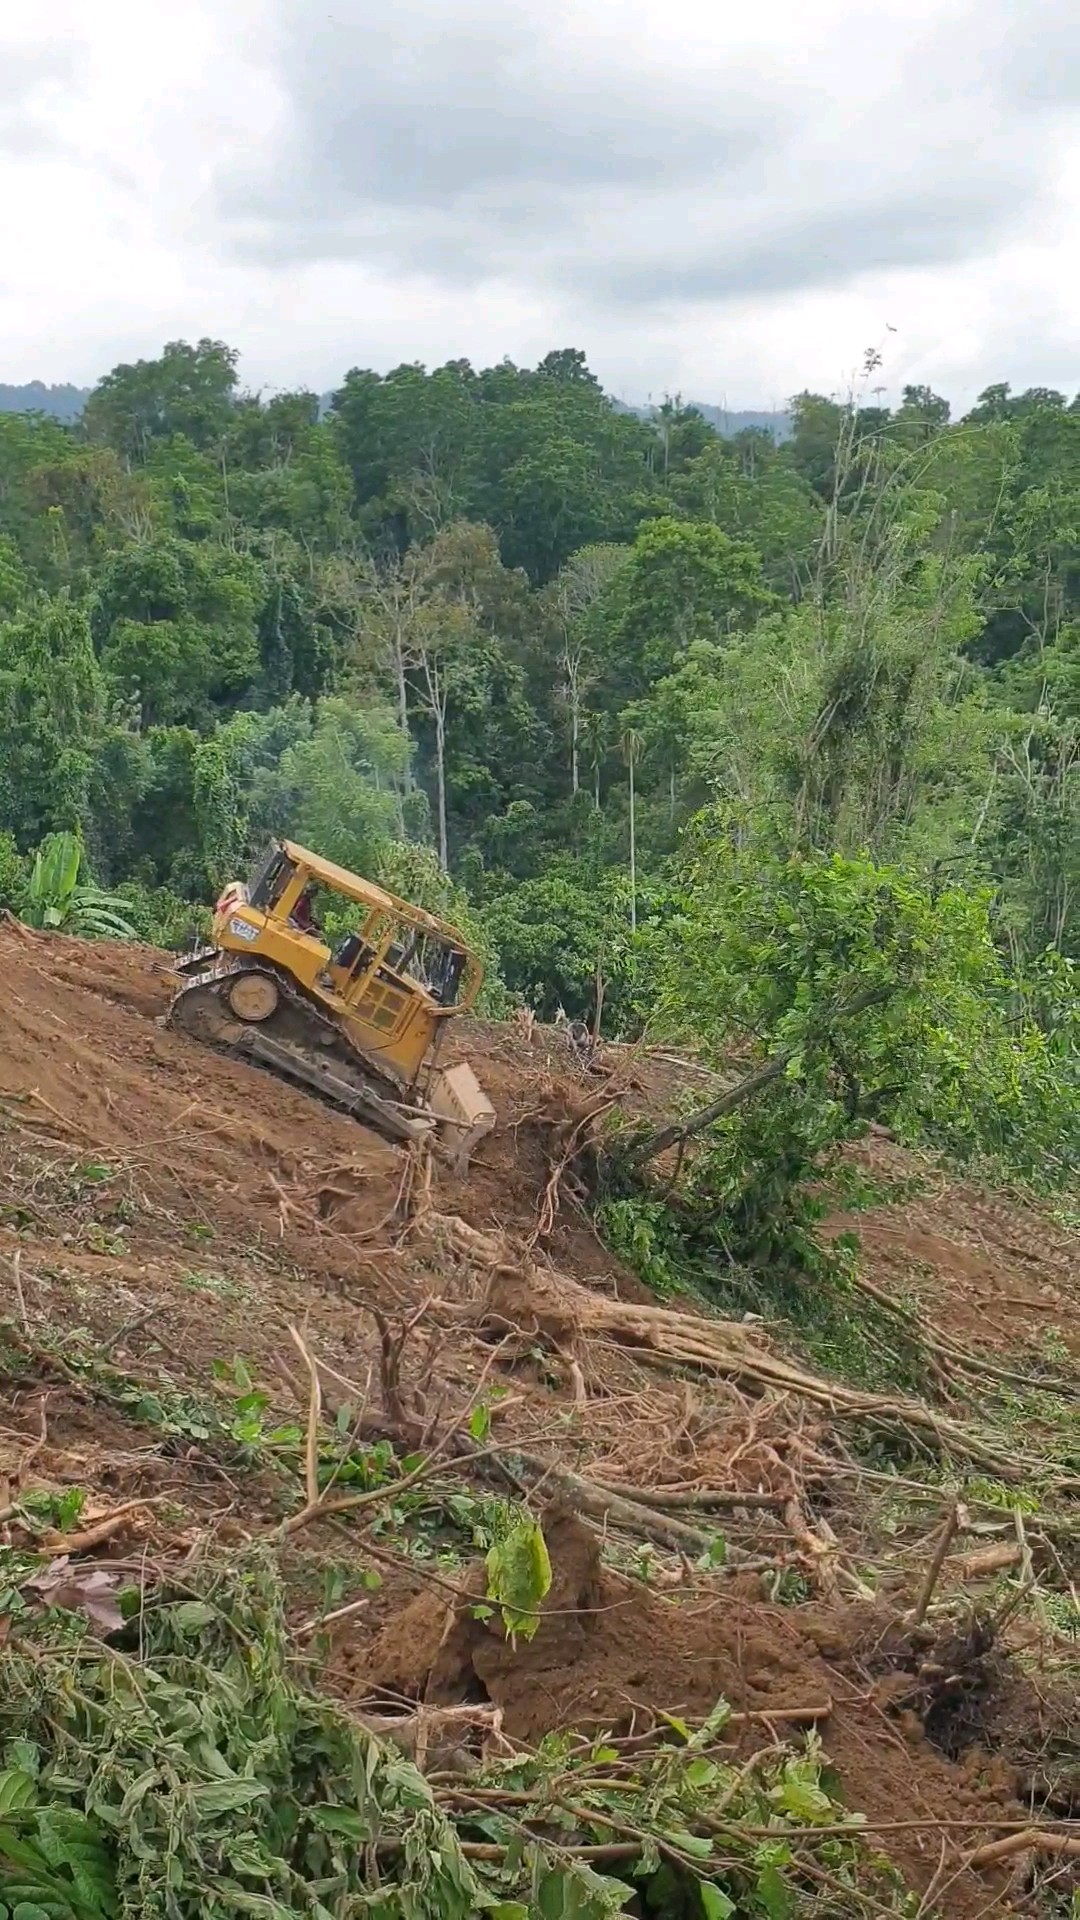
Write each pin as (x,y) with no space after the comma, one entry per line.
(60,403)
(65,403)
(727,424)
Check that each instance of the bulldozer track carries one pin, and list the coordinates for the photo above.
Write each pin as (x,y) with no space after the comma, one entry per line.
(292,1040)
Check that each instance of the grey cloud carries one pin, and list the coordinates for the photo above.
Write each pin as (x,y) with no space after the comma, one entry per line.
(816,250)
(420,109)
(470,143)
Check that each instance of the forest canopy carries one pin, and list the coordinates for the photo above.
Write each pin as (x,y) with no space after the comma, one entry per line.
(487,631)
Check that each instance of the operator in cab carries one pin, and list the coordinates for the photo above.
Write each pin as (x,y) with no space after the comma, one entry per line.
(302,916)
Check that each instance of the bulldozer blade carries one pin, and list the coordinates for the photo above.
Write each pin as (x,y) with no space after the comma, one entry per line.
(462,1109)
(195,961)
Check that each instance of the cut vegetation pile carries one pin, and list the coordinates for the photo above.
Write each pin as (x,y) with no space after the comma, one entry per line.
(373,1541)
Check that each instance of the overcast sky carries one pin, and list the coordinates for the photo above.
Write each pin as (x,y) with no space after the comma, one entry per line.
(728,198)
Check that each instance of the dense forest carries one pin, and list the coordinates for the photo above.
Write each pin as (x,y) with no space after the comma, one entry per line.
(719,733)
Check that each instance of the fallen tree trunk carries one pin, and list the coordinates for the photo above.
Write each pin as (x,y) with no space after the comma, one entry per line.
(640,1152)
(521,1296)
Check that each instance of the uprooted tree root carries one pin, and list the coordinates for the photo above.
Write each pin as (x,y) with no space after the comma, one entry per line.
(520,1296)
(512,1301)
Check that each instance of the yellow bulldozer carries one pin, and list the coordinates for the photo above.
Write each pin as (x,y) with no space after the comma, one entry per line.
(358,1022)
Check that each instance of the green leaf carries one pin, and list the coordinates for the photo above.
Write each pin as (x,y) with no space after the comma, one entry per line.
(775,1895)
(480,1422)
(137,1792)
(224,1796)
(715,1903)
(799,1794)
(342,1820)
(577,1893)
(701,1773)
(712,1726)
(697,1845)
(18,1790)
(192,1615)
(519,1577)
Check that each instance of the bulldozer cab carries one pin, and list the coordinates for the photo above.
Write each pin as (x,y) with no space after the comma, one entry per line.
(392,937)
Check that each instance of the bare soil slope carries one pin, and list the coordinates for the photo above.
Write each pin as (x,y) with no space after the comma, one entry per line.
(163,1211)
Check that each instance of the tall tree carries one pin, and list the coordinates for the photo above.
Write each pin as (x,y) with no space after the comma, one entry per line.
(571,598)
(187,390)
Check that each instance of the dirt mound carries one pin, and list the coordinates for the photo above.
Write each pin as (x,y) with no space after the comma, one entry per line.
(168,1214)
(607,1653)
(74,1062)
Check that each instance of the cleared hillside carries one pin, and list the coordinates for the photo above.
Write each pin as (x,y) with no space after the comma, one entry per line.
(723,1521)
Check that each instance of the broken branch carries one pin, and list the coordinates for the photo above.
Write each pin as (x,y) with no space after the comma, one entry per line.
(937,1561)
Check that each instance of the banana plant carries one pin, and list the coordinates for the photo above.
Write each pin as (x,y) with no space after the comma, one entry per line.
(56,897)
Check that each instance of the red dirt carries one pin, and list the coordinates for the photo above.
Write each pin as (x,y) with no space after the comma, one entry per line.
(995,1274)
(607,1653)
(139,1172)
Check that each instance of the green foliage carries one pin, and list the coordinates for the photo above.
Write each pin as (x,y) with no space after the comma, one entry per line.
(175,623)
(887,999)
(53,1860)
(553,932)
(14,581)
(339,789)
(13,873)
(833,991)
(645,1233)
(540,456)
(188,1772)
(687,1244)
(211,1785)
(52,713)
(187,390)
(519,1577)
(751,490)
(161,918)
(684,1804)
(684,582)
(56,896)
(436,618)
